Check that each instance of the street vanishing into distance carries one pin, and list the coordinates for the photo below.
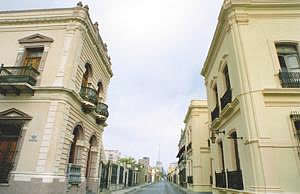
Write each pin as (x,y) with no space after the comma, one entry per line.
(163,187)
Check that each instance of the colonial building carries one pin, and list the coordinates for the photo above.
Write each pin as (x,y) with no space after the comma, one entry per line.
(54,77)
(197,149)
(182,159)
(252,76)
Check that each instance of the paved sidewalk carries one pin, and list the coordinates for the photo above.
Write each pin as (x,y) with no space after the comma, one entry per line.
(186,191)
(129,190)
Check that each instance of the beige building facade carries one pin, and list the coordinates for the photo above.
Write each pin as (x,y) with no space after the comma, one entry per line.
(197,147)
(252,78)
(53,81)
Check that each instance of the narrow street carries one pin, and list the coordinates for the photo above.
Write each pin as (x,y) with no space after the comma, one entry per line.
(163,187)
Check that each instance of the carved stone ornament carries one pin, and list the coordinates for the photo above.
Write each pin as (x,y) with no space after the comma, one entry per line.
(35,38)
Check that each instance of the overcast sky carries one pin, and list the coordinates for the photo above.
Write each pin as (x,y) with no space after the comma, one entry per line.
(157,48)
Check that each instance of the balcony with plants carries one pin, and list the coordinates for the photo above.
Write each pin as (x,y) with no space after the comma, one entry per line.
(16,79)
(101,112)
(89,96)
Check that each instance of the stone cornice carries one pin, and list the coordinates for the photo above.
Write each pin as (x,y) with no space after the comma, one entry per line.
(74,16)
(195,105)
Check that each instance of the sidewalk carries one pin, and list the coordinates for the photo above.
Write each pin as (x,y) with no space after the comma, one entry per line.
(129,190)
(186,191)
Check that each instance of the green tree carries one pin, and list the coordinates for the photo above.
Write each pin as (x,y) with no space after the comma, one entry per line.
(128,160)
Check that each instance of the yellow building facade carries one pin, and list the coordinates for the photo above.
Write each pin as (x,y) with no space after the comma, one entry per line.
(252,74)
(53,84)
(197,147)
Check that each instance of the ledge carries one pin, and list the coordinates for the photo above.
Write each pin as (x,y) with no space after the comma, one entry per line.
(281,91)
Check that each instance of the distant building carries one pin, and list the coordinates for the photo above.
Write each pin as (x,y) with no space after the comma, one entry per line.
(112,155)
(172,166)
(159,165)
(145,161)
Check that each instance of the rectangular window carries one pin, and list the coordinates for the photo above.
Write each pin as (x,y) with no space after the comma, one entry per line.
(297,126)
(33,57)
(227,79)
(221,151)
(216,95)
(288,57)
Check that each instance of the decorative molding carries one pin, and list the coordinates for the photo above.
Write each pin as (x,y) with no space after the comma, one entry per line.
(14,114)
(36,38)
(74,18)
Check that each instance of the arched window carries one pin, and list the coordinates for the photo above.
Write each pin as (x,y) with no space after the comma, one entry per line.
(86,75)
(74,156)
(91,158)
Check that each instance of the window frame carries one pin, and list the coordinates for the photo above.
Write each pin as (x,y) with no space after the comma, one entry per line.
(284,55)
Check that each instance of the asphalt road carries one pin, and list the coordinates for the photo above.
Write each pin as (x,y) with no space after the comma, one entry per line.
(159,188)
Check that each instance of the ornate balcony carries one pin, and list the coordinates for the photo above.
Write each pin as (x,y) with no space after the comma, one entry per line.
(16,79)
(74,174)
(215,113)
(102,112)
(289,79)
(221,179)
(89,95)
(235,180)
(226,99)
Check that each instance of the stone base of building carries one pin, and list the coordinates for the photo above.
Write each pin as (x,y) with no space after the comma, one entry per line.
(257,191)
(203,189)
(41,186)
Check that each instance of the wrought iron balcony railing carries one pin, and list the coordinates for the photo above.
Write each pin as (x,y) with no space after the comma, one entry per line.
(226,99)
(89,94)
(102,109)
(215,113)
(221,179)
(289,79)
(190,179)
(235,180)
(21,74)
(74,174)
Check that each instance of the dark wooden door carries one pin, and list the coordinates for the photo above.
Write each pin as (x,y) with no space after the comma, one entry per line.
(9,136)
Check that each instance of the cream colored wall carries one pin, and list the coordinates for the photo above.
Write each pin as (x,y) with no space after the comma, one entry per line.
(196,121)
(262,114)
(10,36)
(28,155)
(56,104)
